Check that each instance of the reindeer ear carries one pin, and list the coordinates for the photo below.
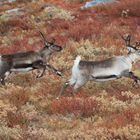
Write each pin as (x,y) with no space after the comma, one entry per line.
(47,44)
(128,37)
(53,41)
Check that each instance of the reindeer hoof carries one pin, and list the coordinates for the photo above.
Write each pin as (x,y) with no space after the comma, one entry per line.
(59,73)
(135,84)
(38,76)
(57,98)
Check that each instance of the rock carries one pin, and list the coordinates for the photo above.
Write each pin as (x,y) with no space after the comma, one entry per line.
(95,2)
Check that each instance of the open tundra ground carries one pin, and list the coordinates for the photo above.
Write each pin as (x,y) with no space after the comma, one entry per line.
(28,106)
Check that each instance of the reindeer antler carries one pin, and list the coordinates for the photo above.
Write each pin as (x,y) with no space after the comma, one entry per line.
(43,37)
(130,47)
(137,44)
(127,38)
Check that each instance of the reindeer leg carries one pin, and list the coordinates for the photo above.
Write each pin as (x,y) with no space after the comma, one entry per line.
(49,67)
(65,85)
(2,81)
(7,74)
(79,83)
(4,77)
(53,69)
(39,65)
(134,77)
(42,73)
(75,89)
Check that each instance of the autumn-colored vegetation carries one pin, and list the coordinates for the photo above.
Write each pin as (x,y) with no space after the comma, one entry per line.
(28,106)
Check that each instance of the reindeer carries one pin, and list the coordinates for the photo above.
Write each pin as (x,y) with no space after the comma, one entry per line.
(105,70)
(27,61)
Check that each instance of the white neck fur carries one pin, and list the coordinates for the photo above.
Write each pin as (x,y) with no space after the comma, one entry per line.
(134,57)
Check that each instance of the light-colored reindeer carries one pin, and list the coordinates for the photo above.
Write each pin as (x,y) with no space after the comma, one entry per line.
(27,61)
(105,70)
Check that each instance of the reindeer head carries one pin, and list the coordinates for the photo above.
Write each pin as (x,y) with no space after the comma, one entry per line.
(50,45)
(131,48)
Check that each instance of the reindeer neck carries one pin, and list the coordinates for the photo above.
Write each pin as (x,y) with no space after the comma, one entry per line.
(45,52)
(133,57)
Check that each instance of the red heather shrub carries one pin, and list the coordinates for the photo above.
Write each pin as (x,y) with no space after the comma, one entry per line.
(15,48)
(13,23)
(60,24)
(18,23)
(123,98)
(116,9)
(4,8)
(58,29)
(116,121)
(18,97)
(81,27)
(130,114)
(78,106)
(6,50)
(121,119)
(16,119)
(23,1)
(86,30)
(61,40)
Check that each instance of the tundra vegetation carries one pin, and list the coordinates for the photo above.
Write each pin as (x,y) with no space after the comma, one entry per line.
(28,106)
